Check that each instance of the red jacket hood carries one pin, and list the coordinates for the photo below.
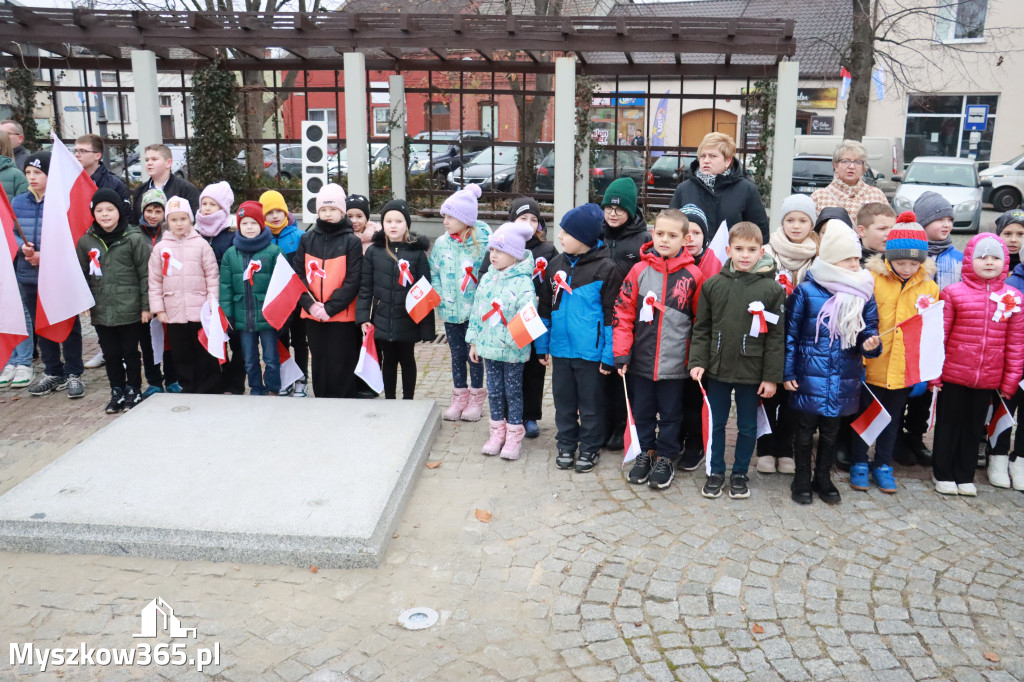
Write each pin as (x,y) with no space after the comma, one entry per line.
(967,271)
(674,264)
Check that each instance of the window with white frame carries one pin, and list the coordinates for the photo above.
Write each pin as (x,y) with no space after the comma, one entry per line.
(961,20)
(115,113)
(489,118)
(328,115)
(380,121)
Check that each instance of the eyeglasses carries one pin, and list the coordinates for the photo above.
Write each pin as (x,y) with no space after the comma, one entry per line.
(614,210)
(79,152)
(851,162)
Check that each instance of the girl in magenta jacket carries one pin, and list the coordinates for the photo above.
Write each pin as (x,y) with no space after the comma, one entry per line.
(984,337)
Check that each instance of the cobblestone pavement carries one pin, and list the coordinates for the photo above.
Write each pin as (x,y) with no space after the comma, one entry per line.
(575,577)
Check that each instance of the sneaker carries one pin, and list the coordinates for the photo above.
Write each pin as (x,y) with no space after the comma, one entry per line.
(174,387)
(22,376)
(7,376)
(116,403)
(766,464)
(76,387)
(532,430)
(152,390)
(884,479)
(131,398)
(47,384)
(967,489)
(859,476)
(946,488)
(738,489)
(663,473)
(300,389)
(565,459)
(641,470)
(691,459)
(587,461)
(713,486)
(286,391)
(96,362)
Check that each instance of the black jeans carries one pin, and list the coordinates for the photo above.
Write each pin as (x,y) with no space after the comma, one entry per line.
(533,387)
(778,443)
(658,412)
(893,401)
(334,351)
(198,371)
(805,424)
(120,347)
(578,389)
(691,436)
(391,355)
(959,425)
(233,371)
(915,420)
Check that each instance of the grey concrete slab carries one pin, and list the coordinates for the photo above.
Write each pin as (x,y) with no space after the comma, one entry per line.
(230,478)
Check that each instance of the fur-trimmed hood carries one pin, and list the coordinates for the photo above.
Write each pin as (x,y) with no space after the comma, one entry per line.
(878,265)
(418,243)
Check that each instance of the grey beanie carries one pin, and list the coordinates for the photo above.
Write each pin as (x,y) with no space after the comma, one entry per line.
(932,206)
(799,202)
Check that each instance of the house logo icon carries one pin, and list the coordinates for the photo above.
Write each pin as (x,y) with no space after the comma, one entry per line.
(158,617)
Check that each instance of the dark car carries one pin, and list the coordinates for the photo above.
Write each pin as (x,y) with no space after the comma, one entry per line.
(814,172)
(493,169)
(670,169)
(442,151)
(609,166)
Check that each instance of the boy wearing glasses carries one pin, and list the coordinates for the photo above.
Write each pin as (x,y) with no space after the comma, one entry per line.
(89,152)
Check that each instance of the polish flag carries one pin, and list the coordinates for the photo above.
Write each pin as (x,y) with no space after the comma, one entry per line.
(421,299)
(998,421)
(526,327)
(764,427)
(283,293)
(844,87)
(63,290)
(632,439)
(7,221)
(214,337)
(871,423)
(157,340)
(706,426)
(290,370)
(12,315)
(368,368)
(717,249)
(931,410)
(923,345)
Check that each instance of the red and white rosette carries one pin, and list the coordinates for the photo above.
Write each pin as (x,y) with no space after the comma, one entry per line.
(540,267)
(314,269)
(761,319)
(467,276)
(495,314)
(94,263)
(404,274)
(170,262)
(1007,303)
(650,302)
(251,269)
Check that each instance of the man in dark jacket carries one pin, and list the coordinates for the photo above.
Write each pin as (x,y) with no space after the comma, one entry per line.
(717,185)
(158,160)
(17,134)
(89,152)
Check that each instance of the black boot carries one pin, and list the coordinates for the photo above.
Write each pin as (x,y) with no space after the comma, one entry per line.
(918,450)
(616,439)
(903,453)
(822,483)
(842,451)
(801,485)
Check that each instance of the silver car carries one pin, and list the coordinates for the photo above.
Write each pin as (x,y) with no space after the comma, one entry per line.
(955,179)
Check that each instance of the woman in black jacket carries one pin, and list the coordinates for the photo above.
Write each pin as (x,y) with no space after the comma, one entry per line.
(395,261)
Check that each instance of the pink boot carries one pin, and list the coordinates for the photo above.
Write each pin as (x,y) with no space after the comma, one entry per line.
(475,409)
(460,398)
(513,441)
(497,439)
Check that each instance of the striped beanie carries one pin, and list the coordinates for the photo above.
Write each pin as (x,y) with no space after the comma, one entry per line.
(907,240)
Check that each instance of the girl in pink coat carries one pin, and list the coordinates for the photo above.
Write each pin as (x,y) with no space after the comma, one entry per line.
(183,275)
(984,337)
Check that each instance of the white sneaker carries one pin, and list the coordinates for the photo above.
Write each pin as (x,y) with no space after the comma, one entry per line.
(766,465)
(96,361)
(1017,473)
(300,389)
(23,377)
(946,488)
(967,489)
(786,465)
(999,470)
(7,376)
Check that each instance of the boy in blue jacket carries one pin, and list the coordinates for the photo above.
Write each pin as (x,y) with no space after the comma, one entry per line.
(579,310)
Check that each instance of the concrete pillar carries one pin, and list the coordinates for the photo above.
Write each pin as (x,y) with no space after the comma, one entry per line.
(355,124)
(396,90)
(147,100)
(785,134)
(583,179)
(565,139)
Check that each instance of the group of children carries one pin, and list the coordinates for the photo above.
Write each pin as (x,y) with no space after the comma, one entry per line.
(804,328)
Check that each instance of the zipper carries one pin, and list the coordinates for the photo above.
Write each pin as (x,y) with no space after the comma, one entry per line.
(661,321)
(984,335)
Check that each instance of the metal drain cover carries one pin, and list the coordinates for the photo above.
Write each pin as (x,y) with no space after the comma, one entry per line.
(418,618)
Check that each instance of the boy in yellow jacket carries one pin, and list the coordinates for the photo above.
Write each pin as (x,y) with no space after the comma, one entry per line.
(903,274)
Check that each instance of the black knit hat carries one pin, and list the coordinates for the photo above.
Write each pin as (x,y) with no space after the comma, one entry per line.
(40,160)
(1009,218)
(832,213)
(396,205)
(526,205)
(105,194)
(360,202)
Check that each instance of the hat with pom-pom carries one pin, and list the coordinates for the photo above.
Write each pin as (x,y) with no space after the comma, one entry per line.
(463,204)
(511,238)
(907,239)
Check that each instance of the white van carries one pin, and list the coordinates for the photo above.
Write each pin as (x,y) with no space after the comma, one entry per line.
(885,155)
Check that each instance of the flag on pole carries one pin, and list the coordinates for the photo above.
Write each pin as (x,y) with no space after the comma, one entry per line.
(157,340)
(873,420)
(764,427)
(63,290)
(923,346)
(632,439)
(7,222)
(12,314)
(878,79)
(527,327)
(844,87)
(706,427)
(421,299)
(290,370)
(214,336)
(283,292)
(998,420)
(717,247)
(368,368)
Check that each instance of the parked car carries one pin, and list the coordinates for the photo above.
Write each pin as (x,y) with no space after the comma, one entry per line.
(814,172)
(609,166)
(1007,186)
(669,169)
(493,169)
(443,151)
(339,164)
(290,166)
(955,179)
(179,164)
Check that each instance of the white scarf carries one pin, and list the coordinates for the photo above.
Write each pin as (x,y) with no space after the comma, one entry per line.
(843,314)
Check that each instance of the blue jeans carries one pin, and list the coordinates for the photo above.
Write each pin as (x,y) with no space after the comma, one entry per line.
(505,390)
(658,413)
(747,400)
(22,355)
(51,350)
(456,334)
(269,381)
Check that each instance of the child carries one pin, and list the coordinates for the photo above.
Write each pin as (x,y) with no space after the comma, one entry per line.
(152,226)
(505,290)
(28,209)
(330,260)
(245,274)
(698,240)
(285,233)
(580,335)
(182,277)
(902,276)
(115,259)
(727,353)
(984,331)
(831,322)
(793,246)
(1010,223)
(651,335)
(455,264)
(831,213)
(874,220)
(395,261)
(212,221)
(359,213)
(1010,226)
(151,223)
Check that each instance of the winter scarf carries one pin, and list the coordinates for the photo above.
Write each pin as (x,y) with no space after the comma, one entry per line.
(842,314)
(276,229)
(791,255)
(253,244)
(211,225)
(940,247)
(707,179)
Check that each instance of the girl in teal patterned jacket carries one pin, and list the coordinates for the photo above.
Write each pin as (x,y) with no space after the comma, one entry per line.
(504,291)
(455,264)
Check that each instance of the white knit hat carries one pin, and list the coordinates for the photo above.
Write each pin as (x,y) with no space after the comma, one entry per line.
(838,242)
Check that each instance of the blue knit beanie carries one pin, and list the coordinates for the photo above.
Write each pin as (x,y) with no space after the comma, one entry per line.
(584,223)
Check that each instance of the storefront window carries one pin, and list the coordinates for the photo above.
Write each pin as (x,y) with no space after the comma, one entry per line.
(935,127)
(623,125)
